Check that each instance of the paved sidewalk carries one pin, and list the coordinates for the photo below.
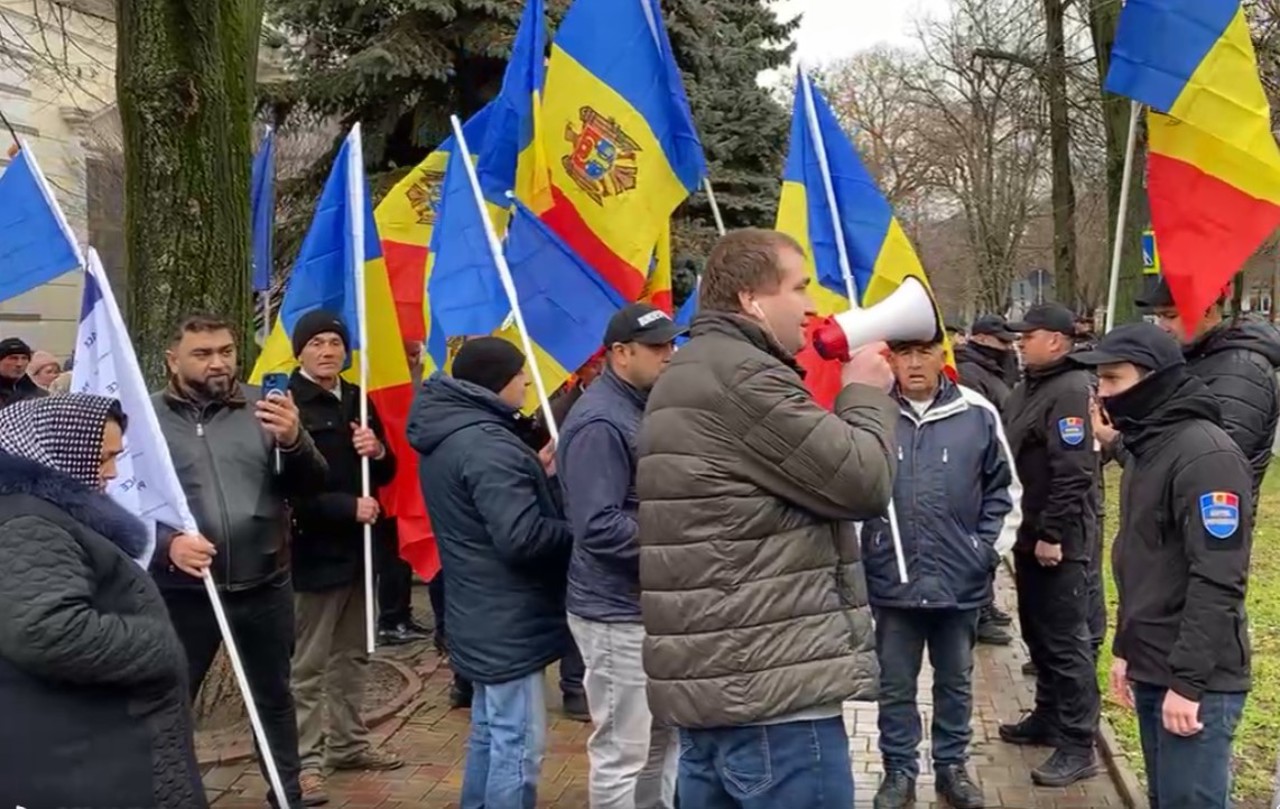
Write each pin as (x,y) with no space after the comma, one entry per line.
(432,741)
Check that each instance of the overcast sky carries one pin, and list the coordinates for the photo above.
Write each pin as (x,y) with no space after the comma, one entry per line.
(832,29)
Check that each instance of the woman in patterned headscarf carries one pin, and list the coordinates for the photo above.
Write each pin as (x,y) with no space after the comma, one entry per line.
(93,693)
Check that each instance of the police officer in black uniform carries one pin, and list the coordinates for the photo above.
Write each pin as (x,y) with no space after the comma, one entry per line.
(1181,562)
(1050,435)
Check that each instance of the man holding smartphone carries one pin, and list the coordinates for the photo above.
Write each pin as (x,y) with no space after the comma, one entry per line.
(223,437)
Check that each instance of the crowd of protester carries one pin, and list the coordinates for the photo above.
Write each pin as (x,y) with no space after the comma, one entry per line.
(716,562)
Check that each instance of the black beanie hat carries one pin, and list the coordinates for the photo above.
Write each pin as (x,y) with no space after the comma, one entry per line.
(489,362)
(11,346)
(318,321)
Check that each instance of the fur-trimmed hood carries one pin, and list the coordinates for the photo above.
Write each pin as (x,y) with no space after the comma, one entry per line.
(92,509)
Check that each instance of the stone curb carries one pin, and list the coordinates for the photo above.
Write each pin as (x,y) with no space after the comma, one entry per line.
(1113,755)
(240,749)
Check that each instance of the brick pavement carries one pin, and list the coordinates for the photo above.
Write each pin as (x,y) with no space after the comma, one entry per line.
(431,739)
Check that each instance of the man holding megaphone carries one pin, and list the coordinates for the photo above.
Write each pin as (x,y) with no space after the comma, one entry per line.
(752,589)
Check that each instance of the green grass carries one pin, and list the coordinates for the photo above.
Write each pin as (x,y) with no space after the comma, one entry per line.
(1259,732)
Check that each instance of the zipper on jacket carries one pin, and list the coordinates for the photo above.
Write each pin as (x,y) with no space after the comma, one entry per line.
(222,496)
(899,452)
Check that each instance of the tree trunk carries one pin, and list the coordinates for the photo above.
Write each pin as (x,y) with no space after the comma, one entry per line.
(185,83)
(1103,19)
(1064,192)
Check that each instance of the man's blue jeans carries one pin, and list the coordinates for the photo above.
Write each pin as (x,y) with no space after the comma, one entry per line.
(901,638)
(508,740)
(1188,772)
(794,764)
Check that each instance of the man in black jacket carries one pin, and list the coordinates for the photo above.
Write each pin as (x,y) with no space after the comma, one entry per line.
(986,362)
(504,545)
(330,661)
(15,385)
(225,439)
(1237,359)
(1047,419)
(1181,562)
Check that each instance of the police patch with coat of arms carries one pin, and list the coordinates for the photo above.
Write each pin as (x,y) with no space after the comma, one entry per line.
(1220,513)
(1071,430)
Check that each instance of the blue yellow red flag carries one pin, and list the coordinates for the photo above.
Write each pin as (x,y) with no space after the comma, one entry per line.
(324,277)
(1213,170)
(657,287)
(619,136)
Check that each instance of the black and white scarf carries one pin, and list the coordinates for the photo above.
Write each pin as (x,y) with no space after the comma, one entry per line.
(60,432)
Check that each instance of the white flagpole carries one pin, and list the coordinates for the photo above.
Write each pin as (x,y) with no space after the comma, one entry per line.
(846,269)
(1113,287)
(504,272)
(715,207)
(355,208)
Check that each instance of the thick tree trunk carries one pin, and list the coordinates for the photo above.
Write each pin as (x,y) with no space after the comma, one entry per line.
(1103,18)
(1064,192)
(185,83)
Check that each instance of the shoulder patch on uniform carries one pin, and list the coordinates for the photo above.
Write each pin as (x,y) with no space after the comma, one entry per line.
(1220,513)
(1071,430)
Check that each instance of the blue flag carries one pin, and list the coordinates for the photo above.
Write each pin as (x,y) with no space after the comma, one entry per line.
(264,211)
(146,485)
(684,315)
(36,245)
(565,303)
(464,289)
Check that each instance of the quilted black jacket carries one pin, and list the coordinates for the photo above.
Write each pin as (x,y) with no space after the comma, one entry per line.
(93,692)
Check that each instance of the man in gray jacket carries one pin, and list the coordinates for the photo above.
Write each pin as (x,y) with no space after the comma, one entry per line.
(751,580)
(225,439)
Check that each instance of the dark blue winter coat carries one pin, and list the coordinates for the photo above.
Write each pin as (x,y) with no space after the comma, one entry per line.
(596,461)
(956,496)
(504,543)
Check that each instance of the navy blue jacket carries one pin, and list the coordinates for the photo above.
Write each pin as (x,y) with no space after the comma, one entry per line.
(503,542)
(956,496)
(596,461)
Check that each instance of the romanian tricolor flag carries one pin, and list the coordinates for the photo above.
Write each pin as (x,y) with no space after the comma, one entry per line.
(657,288)
(1213,170)
(619,136)
(325,277)
(878,255)
(406,217)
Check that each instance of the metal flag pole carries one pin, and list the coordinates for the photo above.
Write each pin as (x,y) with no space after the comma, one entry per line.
(715,207)
(1113,285)
(355,209)
(504,273)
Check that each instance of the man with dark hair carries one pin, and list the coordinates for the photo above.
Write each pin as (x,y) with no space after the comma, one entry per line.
(330,661)
(239,457)
(1181,562)
(504,545)
(756,620)
(957,502)
(1238,359)
(15,385)
(633,760)
(1047,418)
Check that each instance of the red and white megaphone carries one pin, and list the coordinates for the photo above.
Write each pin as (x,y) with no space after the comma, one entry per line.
(907,314)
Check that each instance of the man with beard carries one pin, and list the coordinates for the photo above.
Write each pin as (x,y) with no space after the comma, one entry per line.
(1237,358)
(633,761)
(238,456)
(987,362)
(1181,562)
(15,385)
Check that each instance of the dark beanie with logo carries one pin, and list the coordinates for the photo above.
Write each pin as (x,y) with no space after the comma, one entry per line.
(14,346)
(489,362)
(315,322)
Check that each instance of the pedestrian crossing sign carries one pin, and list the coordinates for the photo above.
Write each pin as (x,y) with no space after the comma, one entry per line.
(1150,256)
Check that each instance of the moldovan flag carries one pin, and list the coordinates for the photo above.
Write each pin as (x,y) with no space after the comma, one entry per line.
(324,277)
(657,288)
(619,136)
(1213,170)
(147,485)
(406,217)
(36,245)
(879,254)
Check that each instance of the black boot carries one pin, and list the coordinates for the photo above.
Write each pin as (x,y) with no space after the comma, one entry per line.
(1029,669)
(997,616)
(1032,729)
(576,708)
(958,788)
(461,693)
(990,632)
(1064,768)
(897,791)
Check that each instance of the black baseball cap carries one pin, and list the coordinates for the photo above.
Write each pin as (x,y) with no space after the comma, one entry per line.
(1143,344)
(642,323)
(995,326)
(1046,317)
